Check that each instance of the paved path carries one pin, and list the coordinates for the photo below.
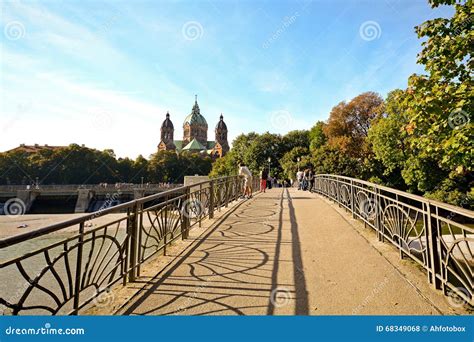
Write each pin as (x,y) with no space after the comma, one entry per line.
(283,252)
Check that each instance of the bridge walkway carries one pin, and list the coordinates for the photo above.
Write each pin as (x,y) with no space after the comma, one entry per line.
(283,252)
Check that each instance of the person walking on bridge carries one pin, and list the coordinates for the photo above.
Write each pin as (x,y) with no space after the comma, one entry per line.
(263,179)
(310,179)
(244,171)
(299,178)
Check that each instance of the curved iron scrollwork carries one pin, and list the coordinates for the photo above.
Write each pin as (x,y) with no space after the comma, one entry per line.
(438,236)
(457,248)
(75,263)
(405,229)
(345,195)
(53,288)
(160,223)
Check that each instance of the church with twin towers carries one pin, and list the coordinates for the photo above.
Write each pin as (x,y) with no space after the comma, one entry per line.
(194,135)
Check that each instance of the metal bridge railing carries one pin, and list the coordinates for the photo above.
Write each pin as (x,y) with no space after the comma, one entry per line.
(438,236)
(97,187)
(62,268)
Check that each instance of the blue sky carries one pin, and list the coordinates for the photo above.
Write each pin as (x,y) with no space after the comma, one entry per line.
(104,73)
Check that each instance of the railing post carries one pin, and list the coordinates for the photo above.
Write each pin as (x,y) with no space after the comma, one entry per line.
(77,284)
(219,196)
(338,193)
(140,229)
(165,236)
(352,199)
(227,187)
(200,212)
(132,224)
(185,220)
(432,248)
(377,212)
(236,188)
(211,199)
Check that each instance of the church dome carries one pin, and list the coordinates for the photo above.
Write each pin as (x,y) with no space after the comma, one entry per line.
(167,123)
(195,117)
(221,124)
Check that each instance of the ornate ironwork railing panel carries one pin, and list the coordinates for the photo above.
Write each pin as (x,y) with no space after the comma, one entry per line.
(52,277)
(438,236)
(62,268)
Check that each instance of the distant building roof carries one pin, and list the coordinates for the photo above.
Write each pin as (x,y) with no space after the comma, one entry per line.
(195,117)
(179,145)
(34,148)
(221,124)
(167,123)
(194,145)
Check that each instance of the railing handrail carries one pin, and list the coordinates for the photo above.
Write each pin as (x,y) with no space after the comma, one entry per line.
(425,200)
(415,225)
(112,252)
(11,240)
(104,186)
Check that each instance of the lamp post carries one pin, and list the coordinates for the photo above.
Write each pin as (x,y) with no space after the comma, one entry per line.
(269,165)
(142,182)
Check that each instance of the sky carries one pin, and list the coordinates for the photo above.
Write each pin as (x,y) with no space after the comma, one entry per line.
(104,73)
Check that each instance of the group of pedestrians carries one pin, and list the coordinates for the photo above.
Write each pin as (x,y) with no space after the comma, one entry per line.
(265,180)
(305,179)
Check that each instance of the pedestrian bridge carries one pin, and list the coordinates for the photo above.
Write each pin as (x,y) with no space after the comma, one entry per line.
(347,247)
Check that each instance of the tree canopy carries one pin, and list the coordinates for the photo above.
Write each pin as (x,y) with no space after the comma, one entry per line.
(76,164)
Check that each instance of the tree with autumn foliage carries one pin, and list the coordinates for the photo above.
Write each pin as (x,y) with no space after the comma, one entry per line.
(343,147)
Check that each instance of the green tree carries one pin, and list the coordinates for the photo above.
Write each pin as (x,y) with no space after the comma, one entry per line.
(439,106)
(296,139)
(168,166)
(317,137)
(261,148)
(225,166)
(289,161)
(330,159)
(240,146)
(389,142)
